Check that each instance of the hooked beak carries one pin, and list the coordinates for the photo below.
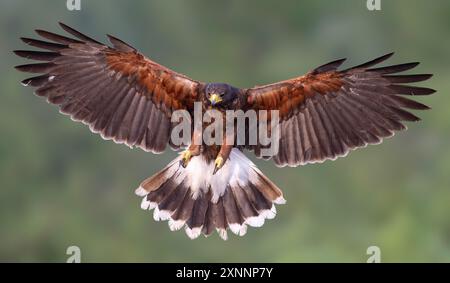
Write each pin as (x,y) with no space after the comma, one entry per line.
(215,99)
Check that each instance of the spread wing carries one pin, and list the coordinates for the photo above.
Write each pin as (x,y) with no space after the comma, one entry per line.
(327,112)
(118,92)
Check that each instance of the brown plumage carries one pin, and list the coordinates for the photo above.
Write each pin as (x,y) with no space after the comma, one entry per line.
(327,113)
(116,91)
(126,97)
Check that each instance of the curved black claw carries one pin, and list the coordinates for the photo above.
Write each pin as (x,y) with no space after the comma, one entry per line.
(218,163)
(185,158)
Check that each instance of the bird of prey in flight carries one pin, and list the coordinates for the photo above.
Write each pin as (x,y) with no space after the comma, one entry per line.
(128,98)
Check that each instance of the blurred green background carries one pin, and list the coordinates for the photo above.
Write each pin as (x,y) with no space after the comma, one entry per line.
(62,186)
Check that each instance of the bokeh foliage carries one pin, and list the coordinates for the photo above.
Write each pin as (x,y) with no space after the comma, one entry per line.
(60,185)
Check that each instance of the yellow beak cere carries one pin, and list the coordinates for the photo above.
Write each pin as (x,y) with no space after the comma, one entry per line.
(215,98)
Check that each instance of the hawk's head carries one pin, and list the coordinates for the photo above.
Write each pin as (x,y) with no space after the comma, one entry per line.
(220,94)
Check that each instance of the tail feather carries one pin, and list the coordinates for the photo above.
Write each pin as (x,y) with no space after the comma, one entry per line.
(163,192)
(239,196)
(244,205)
(157,180)
(257,199)
(232,212)
(208,225)
(198,213)
(184,211)
(174,199)
(218,218)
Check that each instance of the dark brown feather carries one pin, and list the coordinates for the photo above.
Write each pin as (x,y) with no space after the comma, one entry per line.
(174,200)
(183,212)
(255,197)
(407,78)
(78,34)
(56,37)
(412,90)
(120,45)
(232,212)
(372,63)
(36,81)
(198,212)
(37,55)
(407,103)
(242,202)
(395,68)
(43,44)
(163,192)
(36,68)
(332,66)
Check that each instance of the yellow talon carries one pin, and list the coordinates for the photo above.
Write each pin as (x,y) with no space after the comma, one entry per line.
(185,157)
(218,163)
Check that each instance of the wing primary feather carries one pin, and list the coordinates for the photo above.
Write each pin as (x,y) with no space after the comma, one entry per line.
(353,119)
(407,78)
(376,117)
(406,103)
(36,55)
(56,37)
(36,68)
(371,63)
(78,34)
(36,81)
(395,68)
(412,90)
(404,115)
(80,97)
(349,137)
(43,44)
(331,66)
(120,44)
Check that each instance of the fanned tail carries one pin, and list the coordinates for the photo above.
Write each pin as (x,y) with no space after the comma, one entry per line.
(237,196)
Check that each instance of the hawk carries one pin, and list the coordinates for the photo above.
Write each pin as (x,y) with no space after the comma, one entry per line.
(128,98)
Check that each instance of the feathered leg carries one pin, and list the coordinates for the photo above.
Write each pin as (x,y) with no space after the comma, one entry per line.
(193,150)
(224,153)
